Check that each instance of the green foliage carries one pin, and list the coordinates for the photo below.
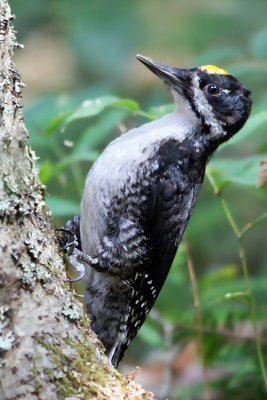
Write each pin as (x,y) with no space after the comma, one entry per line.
(243,172)
(91,108)
(68,131)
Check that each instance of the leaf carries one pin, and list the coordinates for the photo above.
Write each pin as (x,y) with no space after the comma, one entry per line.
(244,172)
(46,171)
(127,104)
(55,123)
(253,123)
(90,108)
(62,207)
(236,295)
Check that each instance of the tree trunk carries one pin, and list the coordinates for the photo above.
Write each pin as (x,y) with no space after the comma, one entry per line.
(47,349)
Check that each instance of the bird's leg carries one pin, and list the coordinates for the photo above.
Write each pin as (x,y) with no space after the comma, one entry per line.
(113,251)
(77,258)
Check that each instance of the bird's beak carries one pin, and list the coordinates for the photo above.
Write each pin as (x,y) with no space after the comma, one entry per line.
(168,74)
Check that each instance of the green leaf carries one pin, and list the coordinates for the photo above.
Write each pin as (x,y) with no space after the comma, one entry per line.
(244,172)
(254,122)
(46,171)
(90,108)
(55,123)
(62,207)
(127,104)
(236,296)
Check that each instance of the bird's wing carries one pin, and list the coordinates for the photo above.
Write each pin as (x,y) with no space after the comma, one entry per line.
(170,204)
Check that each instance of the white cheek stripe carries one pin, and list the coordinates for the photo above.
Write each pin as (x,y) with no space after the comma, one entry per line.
(205,109)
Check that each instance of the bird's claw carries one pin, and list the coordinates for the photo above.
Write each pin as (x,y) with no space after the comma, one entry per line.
(77,258)
(78,266)
(79,277)
(68,245)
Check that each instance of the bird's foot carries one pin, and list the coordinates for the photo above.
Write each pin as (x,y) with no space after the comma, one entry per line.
(77,258)
(69,242)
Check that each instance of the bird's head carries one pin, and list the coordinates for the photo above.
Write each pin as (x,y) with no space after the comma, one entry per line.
(219,102)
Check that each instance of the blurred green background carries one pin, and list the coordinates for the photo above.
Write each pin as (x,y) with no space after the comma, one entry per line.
(85,50)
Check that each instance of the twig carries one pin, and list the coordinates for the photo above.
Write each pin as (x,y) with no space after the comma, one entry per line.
(252,224)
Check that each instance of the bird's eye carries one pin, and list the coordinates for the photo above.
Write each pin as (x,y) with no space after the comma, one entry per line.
(213,89)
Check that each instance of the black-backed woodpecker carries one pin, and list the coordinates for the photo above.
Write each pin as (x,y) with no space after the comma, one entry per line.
(139,196)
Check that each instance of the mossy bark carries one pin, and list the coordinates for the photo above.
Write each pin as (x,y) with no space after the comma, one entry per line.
(47,349)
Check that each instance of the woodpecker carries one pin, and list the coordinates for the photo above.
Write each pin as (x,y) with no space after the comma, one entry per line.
(139,195)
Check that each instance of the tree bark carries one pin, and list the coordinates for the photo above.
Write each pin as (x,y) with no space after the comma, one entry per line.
(47,349)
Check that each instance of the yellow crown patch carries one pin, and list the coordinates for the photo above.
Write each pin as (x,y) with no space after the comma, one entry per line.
(212,69)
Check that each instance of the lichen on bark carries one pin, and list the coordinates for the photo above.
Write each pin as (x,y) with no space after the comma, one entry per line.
(47,349)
